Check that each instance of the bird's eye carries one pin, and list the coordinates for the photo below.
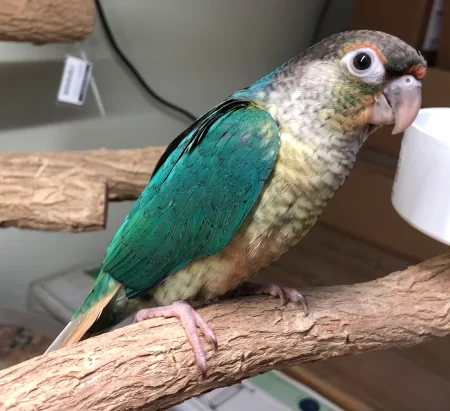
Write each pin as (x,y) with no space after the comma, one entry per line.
(362,61)
(365,64)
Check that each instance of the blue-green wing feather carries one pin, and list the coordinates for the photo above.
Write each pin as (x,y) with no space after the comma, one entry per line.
(200,193)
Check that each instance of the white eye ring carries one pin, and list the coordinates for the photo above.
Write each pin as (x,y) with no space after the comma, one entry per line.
(373,74)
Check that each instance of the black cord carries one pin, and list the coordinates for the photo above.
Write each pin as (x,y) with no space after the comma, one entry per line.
(138,76)
(318,27)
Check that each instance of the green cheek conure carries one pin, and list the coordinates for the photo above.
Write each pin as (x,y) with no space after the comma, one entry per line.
(246,181)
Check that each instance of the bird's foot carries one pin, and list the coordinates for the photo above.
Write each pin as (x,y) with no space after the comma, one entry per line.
(190,320)
(285,294)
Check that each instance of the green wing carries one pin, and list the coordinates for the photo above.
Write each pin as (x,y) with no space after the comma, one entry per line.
(201,190)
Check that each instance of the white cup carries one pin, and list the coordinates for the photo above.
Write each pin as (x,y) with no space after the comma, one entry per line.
(421,190)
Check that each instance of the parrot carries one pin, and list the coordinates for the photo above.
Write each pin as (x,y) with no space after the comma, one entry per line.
(246,181)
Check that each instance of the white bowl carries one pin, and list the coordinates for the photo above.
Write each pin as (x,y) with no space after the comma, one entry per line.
(421,190)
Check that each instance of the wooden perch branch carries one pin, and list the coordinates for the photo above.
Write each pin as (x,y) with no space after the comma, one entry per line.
(149,366)
(46,21)
(70,191)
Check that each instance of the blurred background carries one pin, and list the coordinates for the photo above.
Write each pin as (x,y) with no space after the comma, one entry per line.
(195,53)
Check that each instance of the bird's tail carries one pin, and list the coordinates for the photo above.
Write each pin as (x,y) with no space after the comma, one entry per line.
(103,291)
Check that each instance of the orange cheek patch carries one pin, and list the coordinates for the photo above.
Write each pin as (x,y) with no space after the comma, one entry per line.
(359,45)
(417,71)
(359,120)
(358,116)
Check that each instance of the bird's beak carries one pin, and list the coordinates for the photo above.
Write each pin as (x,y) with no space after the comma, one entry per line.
(399,103)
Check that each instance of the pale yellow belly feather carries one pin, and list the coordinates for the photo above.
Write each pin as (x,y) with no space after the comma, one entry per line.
(299,187)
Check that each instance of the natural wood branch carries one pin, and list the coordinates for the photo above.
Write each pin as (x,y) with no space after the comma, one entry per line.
(70,191)
(56,204)
(46,21)
(150,365)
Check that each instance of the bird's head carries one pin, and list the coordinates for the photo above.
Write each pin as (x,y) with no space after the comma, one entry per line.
(371,78)
(349,84)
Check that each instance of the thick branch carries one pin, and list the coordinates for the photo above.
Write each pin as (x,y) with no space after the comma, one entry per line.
(66,191)
(46,21)
(150,365)
(53,204)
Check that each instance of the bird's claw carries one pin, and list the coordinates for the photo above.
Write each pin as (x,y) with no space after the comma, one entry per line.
(190,320)
(286,295)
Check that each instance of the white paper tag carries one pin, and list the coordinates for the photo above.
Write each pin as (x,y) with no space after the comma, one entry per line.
(74,81)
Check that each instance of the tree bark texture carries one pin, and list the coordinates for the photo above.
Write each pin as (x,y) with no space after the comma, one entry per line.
(150,366)
(46,21)
(70,191)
